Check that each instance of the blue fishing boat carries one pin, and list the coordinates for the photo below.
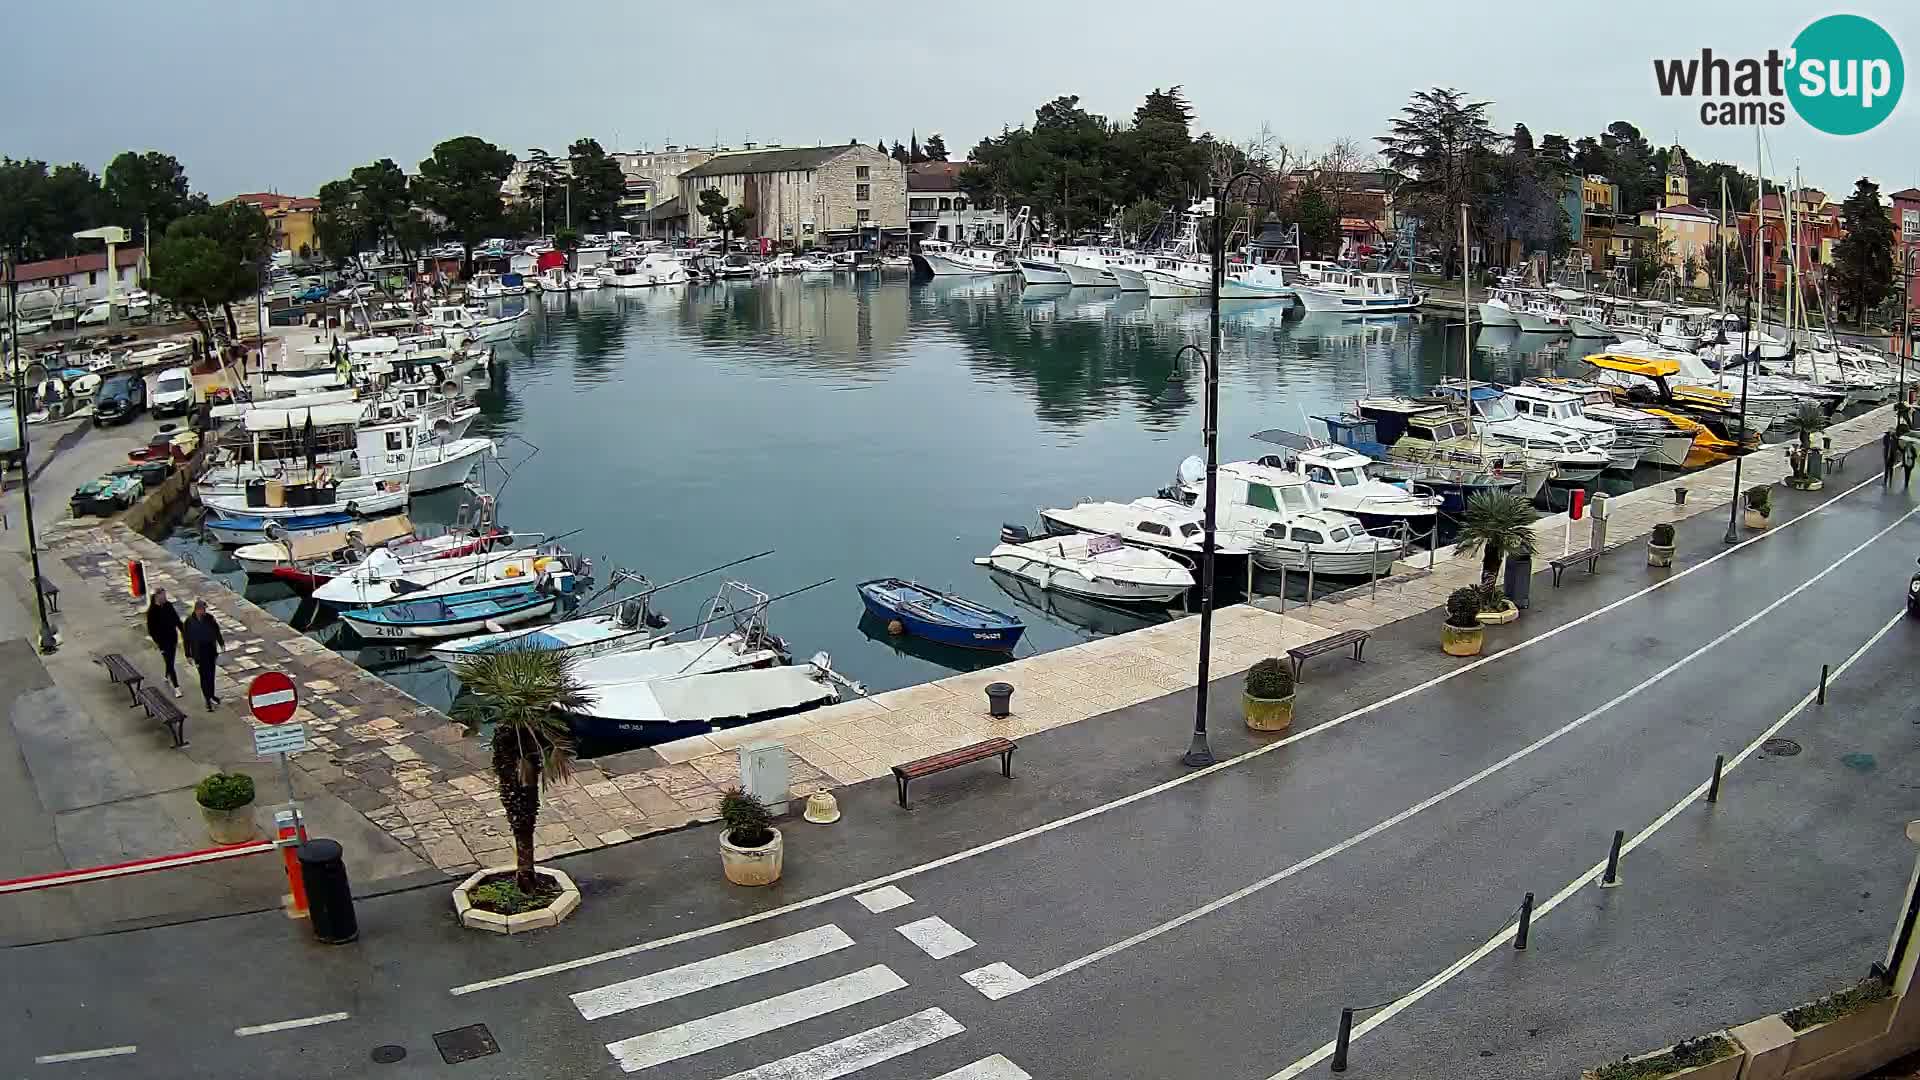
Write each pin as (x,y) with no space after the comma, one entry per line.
(436,617)
(941,617)
(242,529)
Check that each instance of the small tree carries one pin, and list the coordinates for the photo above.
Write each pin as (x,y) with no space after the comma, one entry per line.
(523,695)
(1497,524)
(567,241)
(721,218)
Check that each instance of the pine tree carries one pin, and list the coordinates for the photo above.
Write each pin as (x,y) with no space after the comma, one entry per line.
(936,148)
(1862,270)
(914,156)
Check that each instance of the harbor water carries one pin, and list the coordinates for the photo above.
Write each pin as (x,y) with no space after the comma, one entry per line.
(886,428)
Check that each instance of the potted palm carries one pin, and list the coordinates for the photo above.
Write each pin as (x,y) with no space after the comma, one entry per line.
(1759,500)
(1806,422)
(1660,546)
(1461,634)
(1267,700)
(522,696)
(1498,524)
(750,847)
(226,804)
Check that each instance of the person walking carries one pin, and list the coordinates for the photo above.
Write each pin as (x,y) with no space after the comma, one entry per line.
(204,643)
(163,626)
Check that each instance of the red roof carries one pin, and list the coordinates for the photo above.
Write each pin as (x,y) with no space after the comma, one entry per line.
(92,262)
(935,176)
(1684,210)
(1910,194)
(273,200)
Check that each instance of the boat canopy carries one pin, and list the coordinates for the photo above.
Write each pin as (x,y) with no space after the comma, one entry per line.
(1633,365)
(373,533)
(321,415)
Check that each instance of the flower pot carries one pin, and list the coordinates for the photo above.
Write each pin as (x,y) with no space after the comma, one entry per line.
(1505,615)
(1659,554)
(233,826)
(751,865)
(1754,519)
(1267,714)
(1461,640)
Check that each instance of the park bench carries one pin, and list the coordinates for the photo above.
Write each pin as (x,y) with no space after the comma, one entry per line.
(1590,556)
(124,674)
(160,707)
(52,594)
(1836,460)
(1300,654)
(953,759)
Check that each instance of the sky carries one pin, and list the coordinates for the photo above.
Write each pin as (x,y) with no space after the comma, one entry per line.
(254,96)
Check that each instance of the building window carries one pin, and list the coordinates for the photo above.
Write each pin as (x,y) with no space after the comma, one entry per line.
(946,204)
(93,277)
(862,172)
(863,216)
(862,192)
(959,204)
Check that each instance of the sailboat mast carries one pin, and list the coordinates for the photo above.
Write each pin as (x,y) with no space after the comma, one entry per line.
(1466,296)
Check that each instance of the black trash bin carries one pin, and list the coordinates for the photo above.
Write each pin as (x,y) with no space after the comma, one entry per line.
(999,699)
(329,895)
(1519,581)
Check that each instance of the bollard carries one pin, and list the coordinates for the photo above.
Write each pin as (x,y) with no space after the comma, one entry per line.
(1341,1040)
(1433,540)
(1823,685)
(1679,496)
(329,894)
(290,832)
(136,578)
(999,700)
(1713,789)
(1309,573)
(1283,596)
(1526,922)
(1611,878)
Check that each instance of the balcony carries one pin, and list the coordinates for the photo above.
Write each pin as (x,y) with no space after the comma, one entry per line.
(924,215)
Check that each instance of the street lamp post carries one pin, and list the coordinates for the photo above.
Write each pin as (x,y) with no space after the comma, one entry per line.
(48,643)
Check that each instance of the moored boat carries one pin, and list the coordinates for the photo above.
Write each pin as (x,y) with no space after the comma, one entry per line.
(940,616)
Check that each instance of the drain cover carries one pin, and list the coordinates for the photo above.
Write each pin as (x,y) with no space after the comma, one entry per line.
(1779,748)
(465,1044)
(388,1054)
(1858,762)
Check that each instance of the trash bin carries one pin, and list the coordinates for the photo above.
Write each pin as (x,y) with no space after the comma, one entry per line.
(329,895)
(999,699)
(1519,581)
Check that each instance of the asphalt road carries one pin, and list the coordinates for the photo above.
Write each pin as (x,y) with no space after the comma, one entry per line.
(1183,924)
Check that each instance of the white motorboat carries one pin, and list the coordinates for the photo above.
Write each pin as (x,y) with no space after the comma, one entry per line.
(1572,456)
(1127,267)
(383,577)
(941,259)
(480,325)
(1498,308)
(627,626)
(645,271)
(1668,443)
(1277,514)
(1541,314)
(1085,267)
(1042,266)
(1190,278)
(1339,477)
(1158,523)
(1767,399)
(485,286)
(554,279)
(585,281)
(1568,410)
(304,495)
(291,557)
(814,262)
(1361,294)
(1092,566)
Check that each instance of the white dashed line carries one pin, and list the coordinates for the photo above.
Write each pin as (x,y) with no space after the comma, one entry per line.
(936,937)
(757,1018)
(855,1052)
(85,1055)
(288,1025)
(884,899)
(997,981)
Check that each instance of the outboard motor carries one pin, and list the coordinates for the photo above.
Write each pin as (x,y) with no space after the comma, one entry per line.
(1014,534)
(1913,598)
(629,613)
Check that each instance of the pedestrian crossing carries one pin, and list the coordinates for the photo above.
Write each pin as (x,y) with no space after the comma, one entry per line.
(627,1001)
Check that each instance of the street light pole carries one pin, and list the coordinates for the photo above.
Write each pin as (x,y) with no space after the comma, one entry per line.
(48,643)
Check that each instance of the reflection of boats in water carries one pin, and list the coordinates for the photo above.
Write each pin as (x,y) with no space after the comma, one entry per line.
(946,656)
(961,288)
(1076,613)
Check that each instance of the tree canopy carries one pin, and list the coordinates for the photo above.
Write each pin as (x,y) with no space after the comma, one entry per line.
(1446,154)
(209,260)
(147,191)
(461,182)
(598,185)
(1862,271)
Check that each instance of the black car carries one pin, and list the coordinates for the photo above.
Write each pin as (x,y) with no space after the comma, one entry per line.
(121,397)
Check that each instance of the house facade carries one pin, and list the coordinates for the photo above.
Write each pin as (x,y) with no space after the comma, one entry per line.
(938,210)
(829,195)
(1906,234)
(1816,229)
(1684,232)
(76,281)
(653,177)
(289,221)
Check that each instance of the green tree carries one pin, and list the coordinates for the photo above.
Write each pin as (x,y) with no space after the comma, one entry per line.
(1736,266)
(566,239)
(385,197)
(1497,524)
(339,224)
(461,182)
(1862,270)
(900,153)
(1443,147)
(146,192)
(914,155)
(1319,225)
(1631,165)
(41,208)
(543,175)
(206,262)
(936,147)
(1140,217)
(598,184)
(723,219)
(522,697)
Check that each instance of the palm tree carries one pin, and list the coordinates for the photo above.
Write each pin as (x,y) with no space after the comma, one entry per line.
(1497,525)
(524,694)
(1807,421)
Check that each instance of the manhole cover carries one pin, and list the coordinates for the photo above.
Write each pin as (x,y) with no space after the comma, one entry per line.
(465,1044)
(387,1055)
(1779,748)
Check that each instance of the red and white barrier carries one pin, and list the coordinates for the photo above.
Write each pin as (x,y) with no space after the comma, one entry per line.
(136,866)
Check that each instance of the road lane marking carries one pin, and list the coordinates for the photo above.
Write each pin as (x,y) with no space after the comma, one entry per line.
(855,1052)
(988,1068)
(884,899)
(996,980)
(288,1025)
(1413,997)
(711,972)
(1128,800)
(1432,800)
(936,937)
(757,1018)
(85,1055)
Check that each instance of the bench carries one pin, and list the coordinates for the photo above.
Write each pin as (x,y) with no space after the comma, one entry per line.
(123,673)
(1300,654)
(1836,460)
(953,759)
(160,707)
(52,594)
(1590,556)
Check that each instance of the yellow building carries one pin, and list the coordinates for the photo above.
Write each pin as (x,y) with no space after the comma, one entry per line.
(289,221)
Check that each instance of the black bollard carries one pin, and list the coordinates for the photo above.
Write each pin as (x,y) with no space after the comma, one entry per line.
(329,895)
(1713,789)
(1823,684)
(1341,1040)
(1612,877)
(1526,922)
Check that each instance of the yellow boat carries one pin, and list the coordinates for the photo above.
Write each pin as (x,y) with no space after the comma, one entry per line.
(1707,449)
(1704,405)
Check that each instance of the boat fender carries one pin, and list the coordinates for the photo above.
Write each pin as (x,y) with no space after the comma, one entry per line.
(896,627)
(275,532)
(353,509)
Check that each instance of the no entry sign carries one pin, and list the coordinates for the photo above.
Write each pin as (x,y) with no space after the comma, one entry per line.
(272,697)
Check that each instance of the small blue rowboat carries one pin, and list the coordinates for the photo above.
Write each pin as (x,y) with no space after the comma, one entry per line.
(941,617)
(243,529)
(459,614)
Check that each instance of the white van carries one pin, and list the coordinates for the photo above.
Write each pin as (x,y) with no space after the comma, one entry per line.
(172,393)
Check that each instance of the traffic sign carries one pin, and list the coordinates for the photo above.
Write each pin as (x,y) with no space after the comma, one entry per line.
(280,739)
(272,697)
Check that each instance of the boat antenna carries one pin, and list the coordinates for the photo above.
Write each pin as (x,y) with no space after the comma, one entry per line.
(753,610)
(642,594)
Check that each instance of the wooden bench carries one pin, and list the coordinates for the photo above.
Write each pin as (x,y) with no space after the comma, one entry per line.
(953,759)
(1836,460)
(123,673)
(1585,555)
(160,707)
(52,593)
(1300,654)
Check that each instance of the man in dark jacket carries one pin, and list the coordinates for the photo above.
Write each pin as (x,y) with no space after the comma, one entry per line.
(204,643)
(163,626)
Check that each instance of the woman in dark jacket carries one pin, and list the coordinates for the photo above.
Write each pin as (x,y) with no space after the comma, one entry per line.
(203,647)
(163,626)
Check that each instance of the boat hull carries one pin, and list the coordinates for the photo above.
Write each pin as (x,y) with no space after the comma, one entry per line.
(1062,580)
(1128,280)
(1587,329)
(1535,324)
(1087,276)
(367,627)
(1496,315)
(1042,272)
(993,639)
(1671,451)
(238,530)
(1318,300)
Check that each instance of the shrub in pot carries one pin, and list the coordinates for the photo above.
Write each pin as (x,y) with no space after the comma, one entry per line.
(1461,633)
(750,847)
(1759,500)
(226,803)
(1660,546)
(1495,608)
(1267,701)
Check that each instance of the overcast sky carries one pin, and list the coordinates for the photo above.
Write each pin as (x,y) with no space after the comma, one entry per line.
(280,96)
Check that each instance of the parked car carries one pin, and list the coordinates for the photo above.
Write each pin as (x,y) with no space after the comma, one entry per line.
(121,397)
(97,315)
(311,294)
(173,392)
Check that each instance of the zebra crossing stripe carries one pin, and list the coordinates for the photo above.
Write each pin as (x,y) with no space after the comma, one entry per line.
(713,971)
(936,937)
(757,1018)
(988,1068)
(856,1052)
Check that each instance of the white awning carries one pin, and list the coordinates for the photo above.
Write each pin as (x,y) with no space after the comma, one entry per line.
(322,416)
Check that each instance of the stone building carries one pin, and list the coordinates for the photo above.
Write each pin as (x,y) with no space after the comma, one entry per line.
(833,196)
(653,176)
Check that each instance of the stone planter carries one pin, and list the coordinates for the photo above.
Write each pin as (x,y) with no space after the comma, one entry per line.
(1754,520)
(1805,483)
(1461,640)
(1659,554)
(1267,714)
(493,922)
(229,826)
(1505,615)
(1727,1068)
(1825,1040)
(751,866)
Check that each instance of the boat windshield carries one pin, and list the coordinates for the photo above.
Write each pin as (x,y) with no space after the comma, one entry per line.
(1350,477)
(1336,534)
(1495,409)
(1296,497)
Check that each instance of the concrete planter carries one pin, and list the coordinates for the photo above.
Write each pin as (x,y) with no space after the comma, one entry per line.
(1505,615)
(1727,1068)
(229,826)
(1825,1040)
(1805,483)
(493,922)
(1267,714)
(1659,554)
(751,865)
(1754,520)
(1461,640)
